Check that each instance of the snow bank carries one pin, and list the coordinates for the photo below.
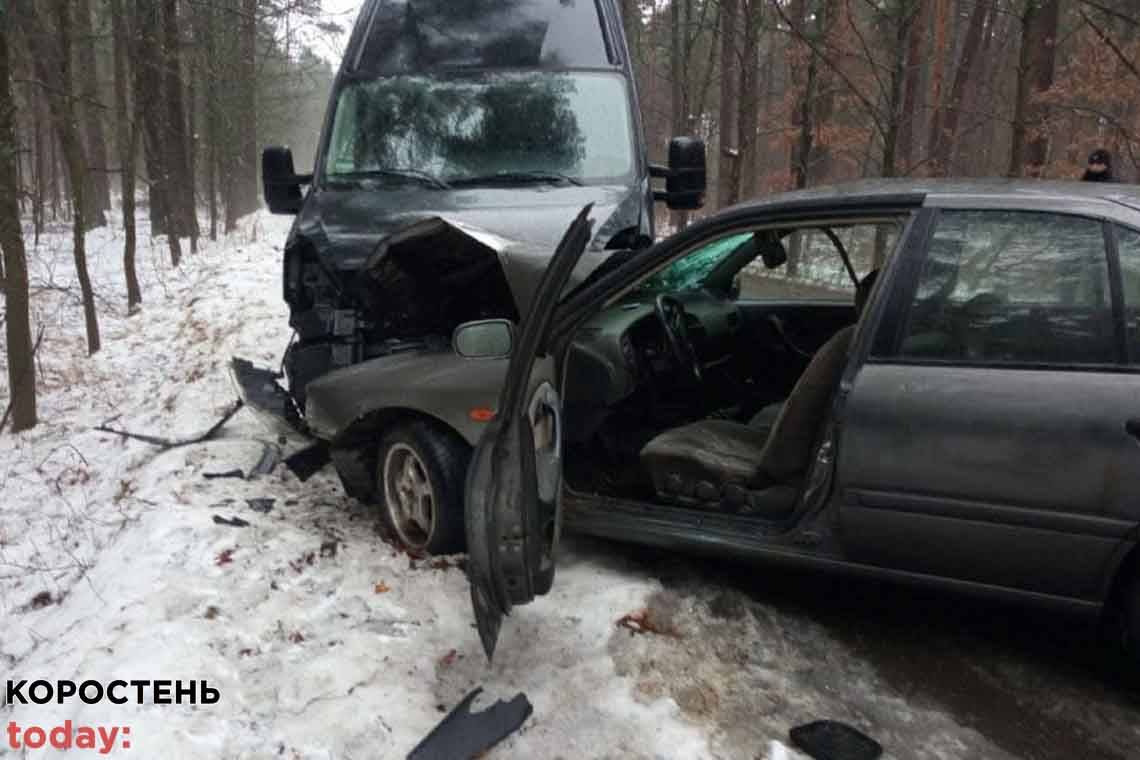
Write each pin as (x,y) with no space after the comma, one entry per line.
(323,640)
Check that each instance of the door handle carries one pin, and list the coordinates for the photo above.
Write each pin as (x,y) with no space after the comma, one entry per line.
(1132,427)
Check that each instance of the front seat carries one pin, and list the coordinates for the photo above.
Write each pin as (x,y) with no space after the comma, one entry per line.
(722,464)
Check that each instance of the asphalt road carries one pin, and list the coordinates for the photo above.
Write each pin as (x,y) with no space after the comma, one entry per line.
(752,651)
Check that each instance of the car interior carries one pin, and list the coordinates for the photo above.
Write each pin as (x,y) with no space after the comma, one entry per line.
(707,386)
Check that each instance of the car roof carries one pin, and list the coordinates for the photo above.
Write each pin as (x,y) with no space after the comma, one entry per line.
(927,192)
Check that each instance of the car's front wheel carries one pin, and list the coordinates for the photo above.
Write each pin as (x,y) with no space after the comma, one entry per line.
(421,470)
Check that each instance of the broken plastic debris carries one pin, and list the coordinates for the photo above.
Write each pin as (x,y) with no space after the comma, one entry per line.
(226,474)
(832,740)
(260,505)
(464,734)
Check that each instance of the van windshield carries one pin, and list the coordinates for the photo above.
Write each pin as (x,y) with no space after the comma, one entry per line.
(575,124)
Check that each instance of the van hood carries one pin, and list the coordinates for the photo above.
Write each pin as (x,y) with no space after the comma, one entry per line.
(345,226)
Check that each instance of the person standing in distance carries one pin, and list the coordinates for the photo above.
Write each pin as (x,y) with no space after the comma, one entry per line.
(1099,168)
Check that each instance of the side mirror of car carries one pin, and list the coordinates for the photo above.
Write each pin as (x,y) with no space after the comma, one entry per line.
(484,339)
(280,182)
(685,177)
(734,288)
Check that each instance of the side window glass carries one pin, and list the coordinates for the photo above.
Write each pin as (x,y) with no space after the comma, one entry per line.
(1128,247)
(815,270)
(1013,287)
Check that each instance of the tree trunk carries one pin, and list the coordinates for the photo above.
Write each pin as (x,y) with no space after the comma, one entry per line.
(17,323)
(179,193)
(941,11)
(749,97)
(914,58)
(53,66)
(41,169)
(98,191)
(1044,67)
(805,110)
(206,19)
(149,116)
(194,65)
(243,187)
(127,142)
(1024,84)
(727,187)
(678,67)
(947,134)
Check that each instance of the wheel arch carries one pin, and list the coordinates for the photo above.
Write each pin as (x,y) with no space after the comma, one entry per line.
(354,448)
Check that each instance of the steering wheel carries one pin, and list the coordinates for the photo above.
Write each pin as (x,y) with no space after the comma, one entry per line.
(671,312)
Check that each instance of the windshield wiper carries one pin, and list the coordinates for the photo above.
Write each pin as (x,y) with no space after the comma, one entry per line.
(519,178)
(414,174)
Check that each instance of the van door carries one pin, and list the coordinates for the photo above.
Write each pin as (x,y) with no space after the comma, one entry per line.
(984,439)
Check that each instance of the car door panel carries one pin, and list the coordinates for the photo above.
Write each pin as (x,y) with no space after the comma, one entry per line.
(512,499)
(1012,477)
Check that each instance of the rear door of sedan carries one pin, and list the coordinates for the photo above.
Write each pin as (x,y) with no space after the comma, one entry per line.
(987,437)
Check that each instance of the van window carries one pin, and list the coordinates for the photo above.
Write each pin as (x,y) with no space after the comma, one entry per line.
(415,36)
(576,124)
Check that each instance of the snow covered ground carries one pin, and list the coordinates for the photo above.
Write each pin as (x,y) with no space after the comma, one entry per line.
(323,640)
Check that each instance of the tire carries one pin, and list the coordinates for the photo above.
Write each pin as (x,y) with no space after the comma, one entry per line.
(420,473)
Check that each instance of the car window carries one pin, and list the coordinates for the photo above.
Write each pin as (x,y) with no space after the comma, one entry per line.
(689,271)
(1128,247)
(1013,287)
(815,269)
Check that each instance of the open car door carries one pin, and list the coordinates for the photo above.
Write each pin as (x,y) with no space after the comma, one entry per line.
(514,483)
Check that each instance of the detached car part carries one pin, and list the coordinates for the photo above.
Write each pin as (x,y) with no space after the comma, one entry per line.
(464,734)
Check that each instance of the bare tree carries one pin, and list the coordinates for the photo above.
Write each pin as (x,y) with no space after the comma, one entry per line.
(1035,69)
(180,187)
(727,173)
(17,325)
(946,134)
(98,191)
(53,66)
(128,144)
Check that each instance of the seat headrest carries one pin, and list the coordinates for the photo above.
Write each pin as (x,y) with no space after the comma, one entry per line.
(863,291)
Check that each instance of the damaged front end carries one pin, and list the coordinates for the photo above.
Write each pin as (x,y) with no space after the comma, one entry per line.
(409,294)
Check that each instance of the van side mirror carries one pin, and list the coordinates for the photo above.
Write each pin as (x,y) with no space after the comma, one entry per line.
(484,339)
(685,177)
(280,182)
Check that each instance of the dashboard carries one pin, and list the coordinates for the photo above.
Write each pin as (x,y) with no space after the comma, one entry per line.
(625,345)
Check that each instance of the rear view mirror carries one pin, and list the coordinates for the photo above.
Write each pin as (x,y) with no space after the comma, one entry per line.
(772,251)
(485,339)
(685,176)
(280,182)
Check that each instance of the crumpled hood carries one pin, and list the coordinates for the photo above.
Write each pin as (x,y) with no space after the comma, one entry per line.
(446,271)
(346,226)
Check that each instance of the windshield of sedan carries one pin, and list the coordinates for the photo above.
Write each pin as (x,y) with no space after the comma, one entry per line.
(570,125)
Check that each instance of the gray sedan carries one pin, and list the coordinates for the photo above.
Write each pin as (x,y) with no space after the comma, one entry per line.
(936,383)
